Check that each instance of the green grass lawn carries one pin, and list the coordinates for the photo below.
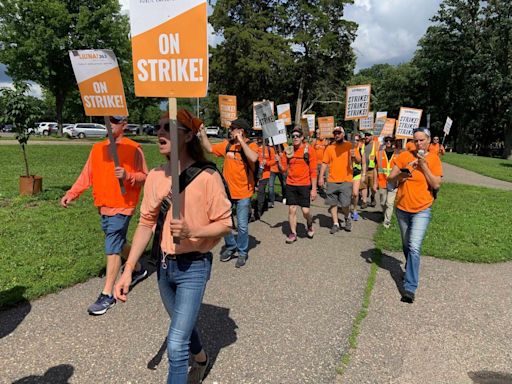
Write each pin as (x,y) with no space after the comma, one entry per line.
(44,247)
(497,168)
(468,224)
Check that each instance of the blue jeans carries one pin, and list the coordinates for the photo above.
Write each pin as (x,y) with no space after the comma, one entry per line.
(413,227)
(241,243)
(271,183)
(182,286)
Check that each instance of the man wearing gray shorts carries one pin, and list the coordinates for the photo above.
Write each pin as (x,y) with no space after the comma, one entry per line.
(338,157)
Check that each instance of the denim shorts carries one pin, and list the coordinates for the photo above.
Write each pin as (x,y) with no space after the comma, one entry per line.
(115,228)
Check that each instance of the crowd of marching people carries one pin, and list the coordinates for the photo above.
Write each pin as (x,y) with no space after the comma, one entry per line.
(348,174)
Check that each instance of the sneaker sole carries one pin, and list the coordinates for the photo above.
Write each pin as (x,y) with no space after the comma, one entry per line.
(225,259)
(102,312)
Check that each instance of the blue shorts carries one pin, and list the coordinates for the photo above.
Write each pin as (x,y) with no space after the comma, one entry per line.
(115,228)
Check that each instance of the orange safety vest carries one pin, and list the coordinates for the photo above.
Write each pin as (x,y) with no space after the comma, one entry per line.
(105,186)
(384,168)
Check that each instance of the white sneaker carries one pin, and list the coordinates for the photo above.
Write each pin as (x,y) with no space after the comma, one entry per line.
(284,201)
(386,225)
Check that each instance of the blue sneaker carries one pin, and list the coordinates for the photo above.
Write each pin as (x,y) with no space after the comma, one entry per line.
(138,276)
(355,216)
(102,305)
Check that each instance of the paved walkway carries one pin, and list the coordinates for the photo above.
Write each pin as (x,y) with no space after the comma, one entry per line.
(453,174)
(459,329)
(284,318)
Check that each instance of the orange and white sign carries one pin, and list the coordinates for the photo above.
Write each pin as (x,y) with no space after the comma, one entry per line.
(227,109)
(310,117)
(256,122)
(170,48)
(326,126)
(408,119)
(357,105)
(366,123)
(389,128)
(99,80)
(284,112)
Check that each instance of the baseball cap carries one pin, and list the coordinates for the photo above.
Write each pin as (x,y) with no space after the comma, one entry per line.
(117,119)
(368,133)
(240,123)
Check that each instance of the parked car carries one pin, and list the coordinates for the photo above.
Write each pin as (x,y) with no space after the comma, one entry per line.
(7,128)
(83,130)
(131,129)
(46,128)
(213,131)
(66,130)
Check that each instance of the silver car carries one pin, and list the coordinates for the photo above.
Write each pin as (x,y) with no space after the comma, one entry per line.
(83,130)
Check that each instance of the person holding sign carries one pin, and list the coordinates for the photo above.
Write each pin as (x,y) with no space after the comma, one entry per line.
(275,172)
(320,144)
(338,157)
(240,156)
(266,159)
(299,160)
(436,147)
(358,172)
(370,148)
(417,173)
(115,208)
(183,268)
(386,190)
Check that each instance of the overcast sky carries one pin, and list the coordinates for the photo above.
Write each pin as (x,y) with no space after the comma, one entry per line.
(388,31)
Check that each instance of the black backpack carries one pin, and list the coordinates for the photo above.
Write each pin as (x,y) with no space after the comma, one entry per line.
(186,177)
(252,172)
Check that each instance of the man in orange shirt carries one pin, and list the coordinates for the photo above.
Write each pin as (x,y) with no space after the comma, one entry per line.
(115,208)
(418,174)
(266,159)
(320,144)
(436,147)
(240,156)
(339,157)
(299,160)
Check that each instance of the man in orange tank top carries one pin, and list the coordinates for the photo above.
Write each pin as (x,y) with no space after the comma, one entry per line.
(115,208)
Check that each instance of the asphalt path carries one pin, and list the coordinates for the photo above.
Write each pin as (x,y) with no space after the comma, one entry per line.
(283,318)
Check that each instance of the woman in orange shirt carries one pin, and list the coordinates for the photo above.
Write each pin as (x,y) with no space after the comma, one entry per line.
(184,268)
(417,173)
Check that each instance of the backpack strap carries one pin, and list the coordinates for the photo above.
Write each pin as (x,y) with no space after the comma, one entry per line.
(185,178)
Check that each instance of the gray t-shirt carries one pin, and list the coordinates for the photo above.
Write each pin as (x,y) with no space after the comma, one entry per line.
(368,150)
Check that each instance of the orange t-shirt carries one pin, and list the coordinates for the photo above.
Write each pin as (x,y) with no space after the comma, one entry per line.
(414,194)
(299,174)
(438,149)
(274,168)
(320,145)
(338,157)
(235,170)
(204,201)
(270,160)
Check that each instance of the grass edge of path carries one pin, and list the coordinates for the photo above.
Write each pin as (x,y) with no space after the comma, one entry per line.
(361,315)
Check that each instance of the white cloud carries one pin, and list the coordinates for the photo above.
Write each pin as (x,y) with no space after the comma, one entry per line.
(389,30)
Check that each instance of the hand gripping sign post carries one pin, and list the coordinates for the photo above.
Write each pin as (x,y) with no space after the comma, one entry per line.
(357,105)
(101,88)
(447,127)
(227,109)
(170,59)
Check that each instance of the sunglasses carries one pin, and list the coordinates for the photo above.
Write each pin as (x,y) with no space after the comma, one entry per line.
(388,141)
(337,133)
(296,136)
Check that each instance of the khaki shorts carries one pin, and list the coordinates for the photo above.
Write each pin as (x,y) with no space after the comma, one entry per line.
(367,181)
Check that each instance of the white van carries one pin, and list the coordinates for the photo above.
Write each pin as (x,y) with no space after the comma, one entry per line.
(46,128)
(83,130)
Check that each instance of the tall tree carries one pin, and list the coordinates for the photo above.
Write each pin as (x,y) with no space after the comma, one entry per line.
(36,35)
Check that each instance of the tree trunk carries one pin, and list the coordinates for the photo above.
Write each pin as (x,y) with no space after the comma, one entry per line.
(26,160)
(507,154)
(298,109)
(59,106)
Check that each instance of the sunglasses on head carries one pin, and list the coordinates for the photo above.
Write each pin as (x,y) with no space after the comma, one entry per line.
(423,130)
(116,119)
